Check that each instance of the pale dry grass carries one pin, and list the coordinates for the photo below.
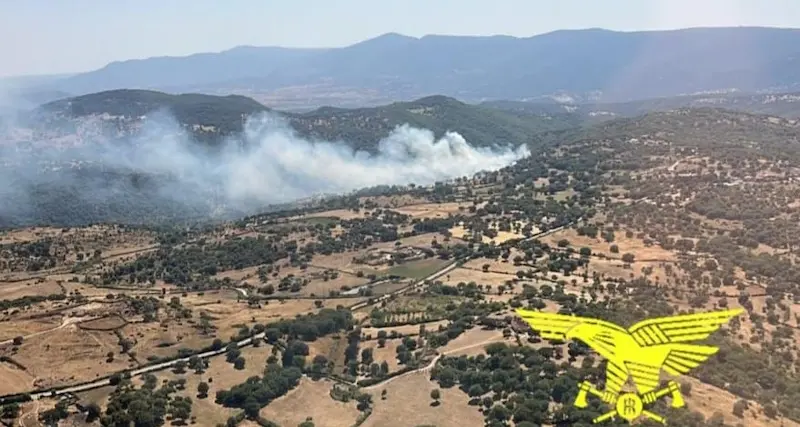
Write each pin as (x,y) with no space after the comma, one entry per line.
(322,288)
(340,261)
(405,329)
(599,245)
(311,399)
(344,214)
(31,234)
(223,376)
(238,275)
(464,275)
(473,339)
(433,210)
(70,355)
(152,339)
(13,328)
(14,290)
(394,201)
(609,268)
(387,353)
(499,265)
(15,380)
(408,404)
(707,400)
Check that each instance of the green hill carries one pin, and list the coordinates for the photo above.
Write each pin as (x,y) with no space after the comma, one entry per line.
(361,128)
(480,126)
(224,113)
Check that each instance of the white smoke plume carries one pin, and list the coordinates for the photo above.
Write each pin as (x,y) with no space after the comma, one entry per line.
(268,163)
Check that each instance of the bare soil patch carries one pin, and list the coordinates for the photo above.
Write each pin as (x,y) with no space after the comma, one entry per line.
(311,399)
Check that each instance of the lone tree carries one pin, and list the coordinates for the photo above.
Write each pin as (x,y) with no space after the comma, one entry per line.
(18,340)
(436,395)
(202,389)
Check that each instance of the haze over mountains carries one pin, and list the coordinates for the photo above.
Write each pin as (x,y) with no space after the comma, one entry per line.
(592,64)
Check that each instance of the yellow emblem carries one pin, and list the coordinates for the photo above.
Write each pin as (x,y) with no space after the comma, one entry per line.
(638,353)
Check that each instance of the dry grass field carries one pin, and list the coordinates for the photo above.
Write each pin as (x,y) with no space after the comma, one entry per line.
(311,399)
(338,213)
(404,329)
(14,290)
(433,210)
(386,353)
(501,266)
(70,355)
(11,328)
(223,376)
(465,275)
(15,380)
(472,342)
(408,404)
(502,236)
(707,400)
(598,245)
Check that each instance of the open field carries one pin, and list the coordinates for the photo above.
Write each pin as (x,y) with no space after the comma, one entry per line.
(432,210)
(707,400)
(70,355)
(328,216)
(465,275)
(311,399)
(502,236)
(599,246)
(417,269)
(15,380)
(13,328)
(404,329)
(108,323)
(472,342)
(219,375)
(501,266)
(14,290)
(386,353)
(408,404)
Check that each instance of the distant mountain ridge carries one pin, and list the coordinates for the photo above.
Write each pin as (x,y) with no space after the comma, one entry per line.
(593,64)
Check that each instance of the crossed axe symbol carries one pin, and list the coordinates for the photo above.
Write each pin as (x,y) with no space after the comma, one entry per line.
(629,405)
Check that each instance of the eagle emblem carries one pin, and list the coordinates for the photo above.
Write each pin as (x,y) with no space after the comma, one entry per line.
(638,353)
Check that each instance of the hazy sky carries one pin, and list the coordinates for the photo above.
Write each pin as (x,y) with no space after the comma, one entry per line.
(56,36)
